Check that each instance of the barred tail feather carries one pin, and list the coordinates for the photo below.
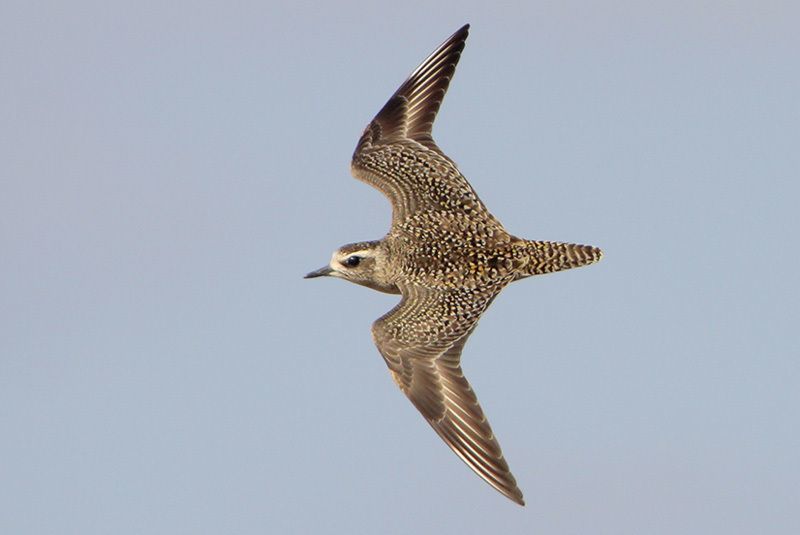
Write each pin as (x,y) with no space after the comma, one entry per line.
(541,257)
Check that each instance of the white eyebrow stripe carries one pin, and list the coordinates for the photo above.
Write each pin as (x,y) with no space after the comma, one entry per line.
(362,252)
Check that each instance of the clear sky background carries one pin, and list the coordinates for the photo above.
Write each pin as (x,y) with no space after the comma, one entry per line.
(170,171)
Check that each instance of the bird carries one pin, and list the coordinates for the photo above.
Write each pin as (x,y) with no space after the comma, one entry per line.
(446,255)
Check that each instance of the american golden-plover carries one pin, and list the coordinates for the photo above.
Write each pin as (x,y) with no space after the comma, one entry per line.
(446,255)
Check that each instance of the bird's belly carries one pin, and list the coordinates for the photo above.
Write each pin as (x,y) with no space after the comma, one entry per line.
(442,263)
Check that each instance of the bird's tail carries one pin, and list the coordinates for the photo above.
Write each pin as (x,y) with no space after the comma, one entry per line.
(541,257)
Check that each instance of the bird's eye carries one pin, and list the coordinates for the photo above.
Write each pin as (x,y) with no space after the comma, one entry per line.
(353,261)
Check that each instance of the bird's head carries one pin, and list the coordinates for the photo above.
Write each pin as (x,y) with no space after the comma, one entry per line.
(363,263)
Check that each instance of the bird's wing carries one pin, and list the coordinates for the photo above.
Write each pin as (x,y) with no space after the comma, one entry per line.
(397,154)
(409,113)
(421,340)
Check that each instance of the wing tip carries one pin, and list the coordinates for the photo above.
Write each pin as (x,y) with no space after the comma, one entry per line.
(459,36)
(513,494)
(516,497)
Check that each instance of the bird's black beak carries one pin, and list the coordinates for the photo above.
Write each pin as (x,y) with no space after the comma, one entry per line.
(321,272)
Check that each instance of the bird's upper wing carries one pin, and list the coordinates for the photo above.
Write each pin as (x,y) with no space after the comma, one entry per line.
(421,340)
(396,152)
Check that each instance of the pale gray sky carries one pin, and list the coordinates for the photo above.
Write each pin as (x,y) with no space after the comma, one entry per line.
(169,173)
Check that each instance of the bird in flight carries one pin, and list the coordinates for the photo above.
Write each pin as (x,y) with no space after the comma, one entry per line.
(448,258)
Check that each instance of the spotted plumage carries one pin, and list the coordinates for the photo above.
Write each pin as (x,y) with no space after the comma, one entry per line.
(446,255)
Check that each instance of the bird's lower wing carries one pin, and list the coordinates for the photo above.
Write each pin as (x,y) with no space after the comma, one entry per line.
(421,340)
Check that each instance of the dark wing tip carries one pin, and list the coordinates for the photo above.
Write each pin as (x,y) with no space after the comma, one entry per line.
(460,34)
(473,441)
